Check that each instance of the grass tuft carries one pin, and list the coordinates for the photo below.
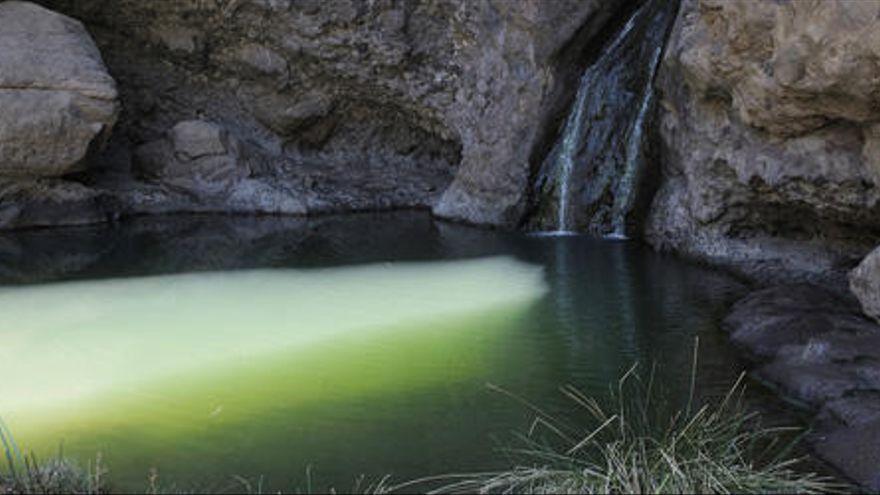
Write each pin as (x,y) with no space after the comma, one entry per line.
(638,446)
(25,474)
(631,443)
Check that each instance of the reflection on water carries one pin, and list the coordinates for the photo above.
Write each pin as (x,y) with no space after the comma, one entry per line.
(353,354)
(68,342)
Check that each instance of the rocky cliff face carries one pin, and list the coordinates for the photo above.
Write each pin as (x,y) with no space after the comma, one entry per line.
(769,123)
(336,106)
(769,116)
(770,133)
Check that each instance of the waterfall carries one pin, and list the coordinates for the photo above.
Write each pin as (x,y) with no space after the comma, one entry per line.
(591,179)
(566,158)
(625,196)
(572,133)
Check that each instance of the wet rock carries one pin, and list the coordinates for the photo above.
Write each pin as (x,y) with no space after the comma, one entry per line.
(808,383)
(864,282)
(599,172)
(817,348)
(854,409)
(51,202)
(855,451)
(826,368)
(768,124)
(509,92)
(58,100)
(768,319)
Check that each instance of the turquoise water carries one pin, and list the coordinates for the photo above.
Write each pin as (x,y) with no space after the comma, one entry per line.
(210,347)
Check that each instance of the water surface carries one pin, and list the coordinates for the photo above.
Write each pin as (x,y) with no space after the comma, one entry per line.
(212,347)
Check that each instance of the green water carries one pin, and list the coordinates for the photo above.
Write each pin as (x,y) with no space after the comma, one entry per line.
(208,348)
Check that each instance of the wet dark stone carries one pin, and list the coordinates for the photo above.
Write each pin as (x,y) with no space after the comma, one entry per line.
(817,348)
(768,319)
(853,410)
(855,451)
(813,384)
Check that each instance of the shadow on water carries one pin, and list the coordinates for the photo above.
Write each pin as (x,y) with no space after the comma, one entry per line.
(404,403)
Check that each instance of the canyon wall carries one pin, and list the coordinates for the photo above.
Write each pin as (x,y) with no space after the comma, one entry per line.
(769,114)
(309,106)
(771,136)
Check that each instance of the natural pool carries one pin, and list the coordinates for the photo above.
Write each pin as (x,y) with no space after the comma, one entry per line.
(213,347)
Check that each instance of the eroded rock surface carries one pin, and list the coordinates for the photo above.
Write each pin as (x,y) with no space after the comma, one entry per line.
(348,105)
(770,135)
(199,166)
(51,202)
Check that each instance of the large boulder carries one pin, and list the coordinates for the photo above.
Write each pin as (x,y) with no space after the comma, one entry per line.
(864,282)
(57,99)
(770,135)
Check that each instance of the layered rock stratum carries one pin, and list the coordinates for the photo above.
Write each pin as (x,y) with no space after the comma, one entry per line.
(817,349)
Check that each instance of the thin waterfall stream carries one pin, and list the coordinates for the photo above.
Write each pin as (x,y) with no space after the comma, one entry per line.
(625,197)
(566,161)
(573,133)
(592,179)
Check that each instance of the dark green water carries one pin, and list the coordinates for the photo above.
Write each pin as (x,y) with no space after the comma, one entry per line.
(213,347)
